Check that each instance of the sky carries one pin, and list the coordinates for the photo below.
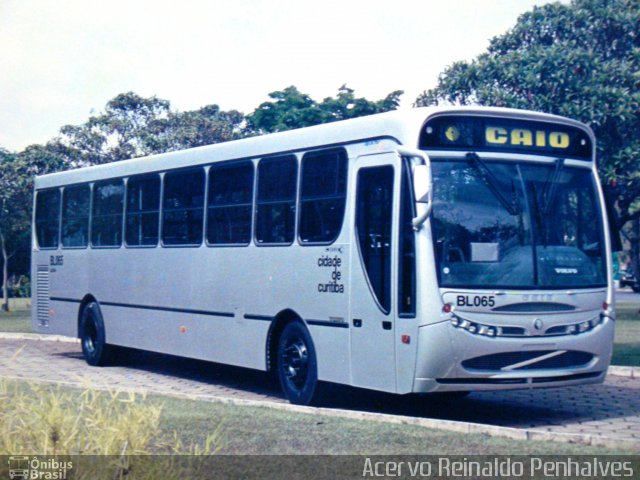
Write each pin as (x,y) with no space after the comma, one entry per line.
(61,61)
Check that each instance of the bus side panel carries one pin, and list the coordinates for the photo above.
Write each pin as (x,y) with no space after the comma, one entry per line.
(181,301)
(214,304)
(221,339)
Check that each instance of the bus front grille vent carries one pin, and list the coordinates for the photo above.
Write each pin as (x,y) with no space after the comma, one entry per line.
(42,289)
(534,307)
(518,361)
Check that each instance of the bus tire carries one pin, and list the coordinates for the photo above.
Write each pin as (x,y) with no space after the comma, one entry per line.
(297,365)
(92,336)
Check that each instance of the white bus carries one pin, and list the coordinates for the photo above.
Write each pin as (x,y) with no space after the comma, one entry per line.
(428,250)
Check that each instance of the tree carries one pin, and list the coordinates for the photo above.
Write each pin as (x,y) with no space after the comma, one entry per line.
(346,105)
(134,126)
(17,172)
(205,126)
(6,228)
(289,109)
(580,60)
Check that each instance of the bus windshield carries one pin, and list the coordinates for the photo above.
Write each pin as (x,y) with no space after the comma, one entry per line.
(510,224)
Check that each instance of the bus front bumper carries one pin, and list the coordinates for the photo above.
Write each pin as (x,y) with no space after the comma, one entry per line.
(469,362)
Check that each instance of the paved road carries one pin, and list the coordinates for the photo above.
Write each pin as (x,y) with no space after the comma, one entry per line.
(608,412)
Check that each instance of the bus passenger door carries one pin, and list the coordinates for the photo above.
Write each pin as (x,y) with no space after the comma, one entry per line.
(372,258)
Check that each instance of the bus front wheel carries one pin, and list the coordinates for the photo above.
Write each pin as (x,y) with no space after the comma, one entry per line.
(92,336)
(297,365)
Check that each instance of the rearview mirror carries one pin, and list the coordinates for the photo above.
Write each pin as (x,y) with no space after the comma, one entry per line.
(422,183)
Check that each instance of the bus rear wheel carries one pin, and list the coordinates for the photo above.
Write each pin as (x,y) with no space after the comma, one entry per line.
(92,336)
(297,365)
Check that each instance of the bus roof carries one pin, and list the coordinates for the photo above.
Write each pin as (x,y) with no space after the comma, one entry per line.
(402,126)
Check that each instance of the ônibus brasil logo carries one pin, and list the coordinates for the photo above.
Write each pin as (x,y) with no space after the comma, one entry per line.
(34,468)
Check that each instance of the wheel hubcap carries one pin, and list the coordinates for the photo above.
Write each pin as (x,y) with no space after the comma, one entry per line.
(295,360)
(90,337)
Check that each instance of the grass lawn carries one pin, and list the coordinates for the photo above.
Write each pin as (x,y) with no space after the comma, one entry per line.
(626,350)
(261,430)
(18,318)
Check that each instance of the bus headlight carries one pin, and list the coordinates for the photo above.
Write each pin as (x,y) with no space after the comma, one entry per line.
(473,327)
(493,331)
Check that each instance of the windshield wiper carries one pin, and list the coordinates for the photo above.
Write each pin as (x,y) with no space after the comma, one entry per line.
(551,186)
(537,211)
(489,179)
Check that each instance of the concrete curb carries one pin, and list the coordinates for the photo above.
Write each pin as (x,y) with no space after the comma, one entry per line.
(38,336)
(623,371)
(616,370)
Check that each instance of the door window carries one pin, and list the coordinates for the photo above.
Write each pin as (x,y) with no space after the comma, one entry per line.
(374,214)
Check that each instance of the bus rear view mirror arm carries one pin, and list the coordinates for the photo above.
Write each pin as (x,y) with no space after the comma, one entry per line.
(418,221)
(422,184)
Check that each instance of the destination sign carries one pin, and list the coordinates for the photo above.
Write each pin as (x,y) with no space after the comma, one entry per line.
(473,133)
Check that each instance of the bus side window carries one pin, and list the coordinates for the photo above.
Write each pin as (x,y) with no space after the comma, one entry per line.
(230,202)
(143,210)
(106,213)
(75,216)
(276,200)
(183,208)
(323,188)
(48,218)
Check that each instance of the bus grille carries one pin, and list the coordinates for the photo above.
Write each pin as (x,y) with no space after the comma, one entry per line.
(509,361)
(42,289)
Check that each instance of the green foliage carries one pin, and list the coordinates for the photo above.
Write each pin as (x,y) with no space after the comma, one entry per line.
(289,109)
(580,60)
(15,218)
(19,286)
(205,126)
(17,172)
(134,126)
